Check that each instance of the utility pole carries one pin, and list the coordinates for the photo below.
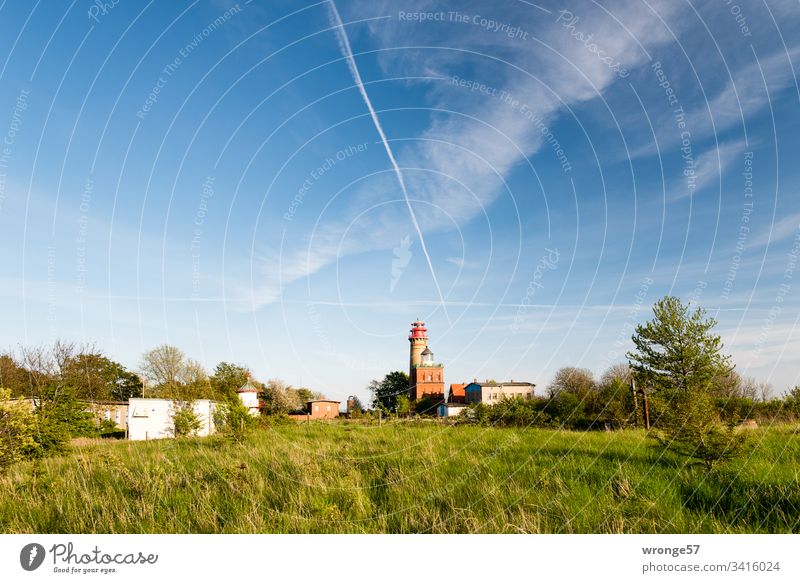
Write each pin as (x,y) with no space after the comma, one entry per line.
(646,408)
(635,403)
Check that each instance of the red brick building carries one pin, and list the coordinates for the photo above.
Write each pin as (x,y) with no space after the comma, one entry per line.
(322,409)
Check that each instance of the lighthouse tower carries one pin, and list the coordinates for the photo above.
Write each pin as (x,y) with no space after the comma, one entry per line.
(426,378)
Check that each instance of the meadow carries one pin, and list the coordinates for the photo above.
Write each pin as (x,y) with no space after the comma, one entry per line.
(347,477)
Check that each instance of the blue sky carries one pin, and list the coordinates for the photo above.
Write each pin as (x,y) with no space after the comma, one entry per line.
(209,174)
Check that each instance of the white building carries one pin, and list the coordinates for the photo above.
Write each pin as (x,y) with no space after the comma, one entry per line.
(152,418)
(248,395)
(450,409)
(492,392)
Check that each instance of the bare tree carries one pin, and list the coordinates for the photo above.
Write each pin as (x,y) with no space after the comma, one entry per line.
(764,391)
(164,366)
(578,381)
(615,372)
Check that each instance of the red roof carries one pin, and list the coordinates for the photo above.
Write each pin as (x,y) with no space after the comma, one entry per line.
(457,390)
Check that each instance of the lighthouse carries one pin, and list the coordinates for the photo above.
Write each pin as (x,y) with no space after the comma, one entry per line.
(426,377)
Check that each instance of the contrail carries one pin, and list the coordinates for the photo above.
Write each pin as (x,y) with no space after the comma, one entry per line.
(344,45)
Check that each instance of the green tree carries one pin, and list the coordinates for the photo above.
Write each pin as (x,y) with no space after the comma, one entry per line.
(95,377)
(677,349)
(228,378)
(679,356)
(385,392)
(13,376)
(403,405)
(17,428)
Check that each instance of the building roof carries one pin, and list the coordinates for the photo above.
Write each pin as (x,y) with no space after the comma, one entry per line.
(503,384)
(458,389)
(427,350)
(322,401)
(248,387)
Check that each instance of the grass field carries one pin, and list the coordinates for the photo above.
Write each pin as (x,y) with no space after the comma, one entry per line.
(414,478)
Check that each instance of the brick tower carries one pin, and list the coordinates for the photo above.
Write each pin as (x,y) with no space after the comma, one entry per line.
(426,378)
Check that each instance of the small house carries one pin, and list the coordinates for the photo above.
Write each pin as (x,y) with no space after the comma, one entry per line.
(153,418)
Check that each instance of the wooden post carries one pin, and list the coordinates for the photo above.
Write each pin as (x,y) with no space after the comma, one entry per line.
(646,408)
(380,417)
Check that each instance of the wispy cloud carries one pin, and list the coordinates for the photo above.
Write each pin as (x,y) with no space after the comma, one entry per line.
(783,228)
(708,168)
(473,143)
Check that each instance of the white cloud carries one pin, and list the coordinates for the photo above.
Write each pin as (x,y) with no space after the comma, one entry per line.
(467,155)
(708,167)
(783,228)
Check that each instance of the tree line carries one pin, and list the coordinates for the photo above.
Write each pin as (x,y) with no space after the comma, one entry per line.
(677,382)
(44,392)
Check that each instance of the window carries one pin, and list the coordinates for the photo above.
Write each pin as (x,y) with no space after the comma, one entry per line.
(328,408)
(108,415)
(117,417)
(316,407)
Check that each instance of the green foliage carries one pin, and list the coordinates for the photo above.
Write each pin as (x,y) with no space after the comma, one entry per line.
(681,359)
(170,375)
(95,377)
(615,404)
(355,408)
(403,406)
(17,428)
(792,402)
(59,417)
(275,398)
(184,419)
(512,412)
(233,419)
(425,406)
(227,379)
(688,424)
(14,377)
(386,391)
(678,350)
(107,429)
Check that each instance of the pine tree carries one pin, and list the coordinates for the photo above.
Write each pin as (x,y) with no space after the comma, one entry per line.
(682,361)
(677,350)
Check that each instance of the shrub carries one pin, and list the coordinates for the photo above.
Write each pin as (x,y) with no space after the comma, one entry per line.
(17,427)
(184,419)
(233,419)
(688,425)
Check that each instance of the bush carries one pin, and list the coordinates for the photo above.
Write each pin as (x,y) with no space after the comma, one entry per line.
(17,428)
(513,412)
(60,417)
(234,419)
(185,420)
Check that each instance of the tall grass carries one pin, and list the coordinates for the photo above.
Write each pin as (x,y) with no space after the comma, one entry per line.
(429,478)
